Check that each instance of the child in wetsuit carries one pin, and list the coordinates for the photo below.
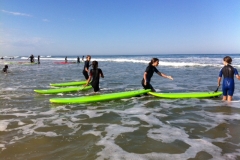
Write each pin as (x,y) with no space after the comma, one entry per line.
(151,68)
(5,69)
(94,77)
(228,73)
(31,59)
(86,67)
(38,59)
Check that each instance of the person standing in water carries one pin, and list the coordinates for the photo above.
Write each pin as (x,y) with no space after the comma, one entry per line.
(94,76)
(31,59)
(228,73)
(66,59)
(78,59)
(86,67)
(38,59)
(151,68)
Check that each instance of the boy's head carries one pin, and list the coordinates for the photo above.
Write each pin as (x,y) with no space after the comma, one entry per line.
(95,64)
(6,66)
(227,59)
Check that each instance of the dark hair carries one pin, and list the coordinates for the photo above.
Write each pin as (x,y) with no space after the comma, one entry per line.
(227,59)
(6,66)
(153,61)
(95,64)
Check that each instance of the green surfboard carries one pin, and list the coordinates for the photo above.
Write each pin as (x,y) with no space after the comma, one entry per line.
(76,83)
(187,95)
(100,97)
(63,90)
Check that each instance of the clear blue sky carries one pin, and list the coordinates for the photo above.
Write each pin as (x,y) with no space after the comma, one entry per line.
(80,27)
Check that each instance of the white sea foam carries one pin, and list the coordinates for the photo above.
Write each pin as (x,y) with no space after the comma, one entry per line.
(174,61)
(95,133)
(47,134)
(3,125)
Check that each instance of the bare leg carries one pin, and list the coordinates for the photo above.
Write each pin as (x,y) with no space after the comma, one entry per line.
(229,98)
(224,98)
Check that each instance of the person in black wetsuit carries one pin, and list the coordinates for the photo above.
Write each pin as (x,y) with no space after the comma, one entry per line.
(38,59)
(228,73)
(31,59)
(151,68)
(66,59)
(86,67)
(78,59)
(5,69)
(94,77)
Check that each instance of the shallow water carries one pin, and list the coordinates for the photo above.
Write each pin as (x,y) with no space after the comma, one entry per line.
(143,127)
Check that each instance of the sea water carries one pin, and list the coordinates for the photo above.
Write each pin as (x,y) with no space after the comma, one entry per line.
(140,128)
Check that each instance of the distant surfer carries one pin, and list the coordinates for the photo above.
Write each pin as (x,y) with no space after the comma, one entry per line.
(94,76)
(78,59)
(228,73)
(66,59)
(151,68)
(5,69)
(38,59)
(86,67)
(2,58)
(31,59)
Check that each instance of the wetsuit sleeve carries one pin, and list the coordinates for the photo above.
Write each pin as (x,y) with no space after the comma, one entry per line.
(235,71)
(156,70)
(100,71)
(220,73)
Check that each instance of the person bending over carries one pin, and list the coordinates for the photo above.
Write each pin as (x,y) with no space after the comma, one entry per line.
(151,68)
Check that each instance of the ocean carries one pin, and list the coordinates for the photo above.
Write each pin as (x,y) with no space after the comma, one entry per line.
(138,128)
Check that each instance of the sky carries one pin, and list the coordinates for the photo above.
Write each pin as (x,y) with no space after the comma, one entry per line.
(119,27)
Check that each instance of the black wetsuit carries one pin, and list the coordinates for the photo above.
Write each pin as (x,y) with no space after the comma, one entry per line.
(5,69)
(95,73)
(85,73)
(78,60)
(31,58)
(38,59)
(150,70)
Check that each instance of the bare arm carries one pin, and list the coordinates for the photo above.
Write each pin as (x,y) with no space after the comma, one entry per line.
(88,81)
(219,81)
(145,78)
(238,77)
(165,76)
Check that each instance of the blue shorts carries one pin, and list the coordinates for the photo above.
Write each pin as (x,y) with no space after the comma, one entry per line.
(228,87)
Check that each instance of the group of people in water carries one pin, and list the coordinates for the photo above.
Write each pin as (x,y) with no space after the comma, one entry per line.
(228,72)
(93,75)
(78,59)
(9,58)
(32,60)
